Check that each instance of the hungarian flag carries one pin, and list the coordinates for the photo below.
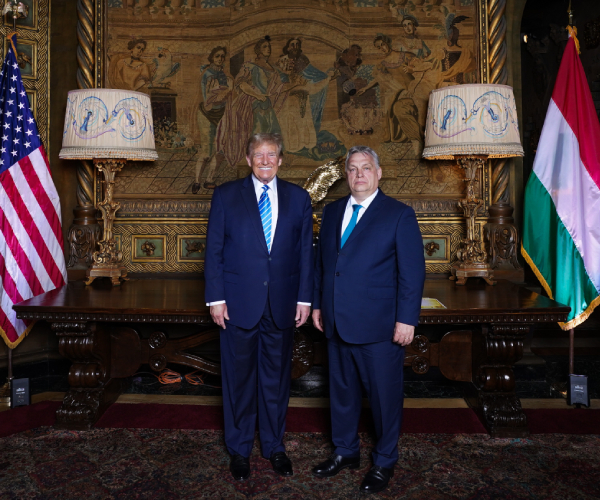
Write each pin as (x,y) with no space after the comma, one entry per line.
(561,228)
(31,244)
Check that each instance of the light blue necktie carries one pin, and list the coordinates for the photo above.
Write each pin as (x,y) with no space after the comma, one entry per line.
(264,207)
(351,224)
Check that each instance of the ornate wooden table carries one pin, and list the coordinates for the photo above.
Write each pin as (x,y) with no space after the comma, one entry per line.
(108,333)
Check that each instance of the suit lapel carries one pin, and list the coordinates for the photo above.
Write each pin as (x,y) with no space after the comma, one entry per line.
(283,203)
(369,216)
(340,218)
(249,197)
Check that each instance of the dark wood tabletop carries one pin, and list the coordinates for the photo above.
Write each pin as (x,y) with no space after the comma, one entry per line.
(182,301)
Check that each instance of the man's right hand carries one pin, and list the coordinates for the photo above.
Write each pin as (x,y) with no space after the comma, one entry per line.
(317,319)
(219,314)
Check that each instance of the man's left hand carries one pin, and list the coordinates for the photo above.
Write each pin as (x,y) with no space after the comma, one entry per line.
(302,313)
(403,334)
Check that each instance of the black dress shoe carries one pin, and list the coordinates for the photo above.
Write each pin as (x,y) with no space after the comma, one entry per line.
(239,467)
(334,464)
(376,479)
(281,464)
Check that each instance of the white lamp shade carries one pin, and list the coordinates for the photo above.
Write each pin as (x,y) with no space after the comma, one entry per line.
(477,119)
(108,123)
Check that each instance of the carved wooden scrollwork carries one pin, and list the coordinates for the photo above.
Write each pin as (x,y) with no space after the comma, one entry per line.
(503,412)
(420,365)
(157,340)
(501,348)
(89,375)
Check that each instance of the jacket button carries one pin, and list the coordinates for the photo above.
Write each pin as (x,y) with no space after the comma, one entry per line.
(337,274)
(269,258)
(265,283)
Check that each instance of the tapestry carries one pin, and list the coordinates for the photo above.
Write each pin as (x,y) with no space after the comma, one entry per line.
(326,74)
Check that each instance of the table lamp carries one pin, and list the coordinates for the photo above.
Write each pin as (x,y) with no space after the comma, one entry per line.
(108,126)
(472,123)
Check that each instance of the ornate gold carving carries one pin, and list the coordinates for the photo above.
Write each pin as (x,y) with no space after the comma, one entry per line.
(323,177)
(107,261)
(141,208)
(454,230)
(148,248)
(472,255)
(431,248)
(195,247)
(170,231)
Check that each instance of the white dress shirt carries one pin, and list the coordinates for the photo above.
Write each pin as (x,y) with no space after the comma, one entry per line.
(272,194)
(349,210)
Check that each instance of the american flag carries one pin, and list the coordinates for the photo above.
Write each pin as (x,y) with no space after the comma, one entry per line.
(31,245)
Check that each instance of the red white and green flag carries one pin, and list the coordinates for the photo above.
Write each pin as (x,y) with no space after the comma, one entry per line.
(561,228)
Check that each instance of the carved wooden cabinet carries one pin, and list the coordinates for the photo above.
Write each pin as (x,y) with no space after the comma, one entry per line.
(483,331)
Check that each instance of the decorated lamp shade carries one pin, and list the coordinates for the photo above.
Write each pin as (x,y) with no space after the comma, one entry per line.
(478,119)
(107,123)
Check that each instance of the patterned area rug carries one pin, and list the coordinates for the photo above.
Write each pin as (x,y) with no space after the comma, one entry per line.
(45,463)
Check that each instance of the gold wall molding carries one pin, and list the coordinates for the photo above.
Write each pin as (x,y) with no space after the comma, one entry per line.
(453,228)
(152,208)
(37,85)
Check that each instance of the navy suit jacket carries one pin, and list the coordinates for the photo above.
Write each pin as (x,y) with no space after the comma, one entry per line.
(238,267)
(377,279)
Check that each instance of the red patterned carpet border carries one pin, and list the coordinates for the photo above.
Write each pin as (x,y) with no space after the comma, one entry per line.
(44,463)
(416,420)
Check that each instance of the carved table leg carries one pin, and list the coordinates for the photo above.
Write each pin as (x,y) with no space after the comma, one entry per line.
(91,388)
(495,352)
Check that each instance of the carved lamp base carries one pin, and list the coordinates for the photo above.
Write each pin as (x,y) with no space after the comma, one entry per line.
(115,272)
(107,260)
(464,270)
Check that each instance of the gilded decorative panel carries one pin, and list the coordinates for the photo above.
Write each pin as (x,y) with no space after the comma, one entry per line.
(33,56)
(175,246)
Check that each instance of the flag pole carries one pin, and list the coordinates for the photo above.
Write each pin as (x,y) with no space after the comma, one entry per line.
(571,351)
(5,392)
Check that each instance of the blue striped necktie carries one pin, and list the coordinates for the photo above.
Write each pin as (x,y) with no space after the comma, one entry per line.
(264,207)
(351,224)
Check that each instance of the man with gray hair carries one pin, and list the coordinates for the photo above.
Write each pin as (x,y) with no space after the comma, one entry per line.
(369,280)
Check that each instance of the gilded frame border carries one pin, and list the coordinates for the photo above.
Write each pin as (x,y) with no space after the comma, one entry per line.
(91,32)
(491,30)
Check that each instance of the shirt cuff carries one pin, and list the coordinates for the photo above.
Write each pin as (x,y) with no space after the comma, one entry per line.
(304,304)
(215,303)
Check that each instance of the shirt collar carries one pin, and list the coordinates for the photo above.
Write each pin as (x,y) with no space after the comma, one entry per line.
(365,204)
(258,185)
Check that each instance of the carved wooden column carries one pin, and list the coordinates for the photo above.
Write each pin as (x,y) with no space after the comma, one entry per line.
(503,234)
(85,231)
(91,388)
(495,351)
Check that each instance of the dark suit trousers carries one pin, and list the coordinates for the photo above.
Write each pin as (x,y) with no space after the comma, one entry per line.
(256,373)
(379,368)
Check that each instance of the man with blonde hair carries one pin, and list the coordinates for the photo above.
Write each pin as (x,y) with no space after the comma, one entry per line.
(258,271)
